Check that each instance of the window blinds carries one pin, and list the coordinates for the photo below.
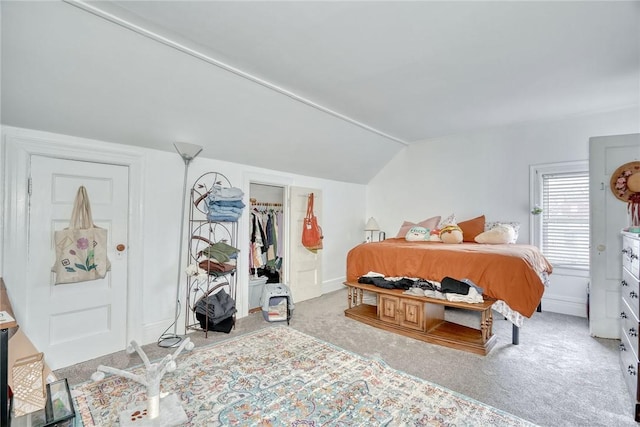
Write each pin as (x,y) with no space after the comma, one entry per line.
(565,219)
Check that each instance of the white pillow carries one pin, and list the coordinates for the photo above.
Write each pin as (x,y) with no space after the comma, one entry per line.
(500,234)
(451,234)
(416,234)
(514,224)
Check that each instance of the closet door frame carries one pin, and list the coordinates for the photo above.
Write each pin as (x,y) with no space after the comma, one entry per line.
(244,238)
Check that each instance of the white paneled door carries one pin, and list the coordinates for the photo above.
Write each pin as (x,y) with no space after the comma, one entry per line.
(305,266)
(608,218)
(75,322)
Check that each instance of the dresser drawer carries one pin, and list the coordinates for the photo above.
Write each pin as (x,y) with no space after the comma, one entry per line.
(630,325)
(630,292)
(630,255)
(629,365)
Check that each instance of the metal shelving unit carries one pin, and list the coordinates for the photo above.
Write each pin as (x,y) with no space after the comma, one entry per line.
(202,234)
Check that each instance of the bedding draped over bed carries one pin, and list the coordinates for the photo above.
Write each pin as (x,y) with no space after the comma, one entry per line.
(511,272)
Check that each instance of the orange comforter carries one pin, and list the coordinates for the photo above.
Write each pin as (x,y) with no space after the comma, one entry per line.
(506,272)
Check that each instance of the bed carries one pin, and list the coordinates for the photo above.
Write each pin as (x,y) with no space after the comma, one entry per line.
(513,274)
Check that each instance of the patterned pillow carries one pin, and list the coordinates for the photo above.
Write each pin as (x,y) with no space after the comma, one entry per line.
(450,220)
(416,234)
(429,223)
(514,224)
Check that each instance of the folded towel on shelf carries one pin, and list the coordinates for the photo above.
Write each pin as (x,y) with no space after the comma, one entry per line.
(216,217)
(231,203)
(221,251)
(213,207)
(226,193)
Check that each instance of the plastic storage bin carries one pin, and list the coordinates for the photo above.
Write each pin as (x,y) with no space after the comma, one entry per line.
(276,302)
(256,285)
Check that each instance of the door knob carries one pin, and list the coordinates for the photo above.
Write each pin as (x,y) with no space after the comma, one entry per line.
(120,247)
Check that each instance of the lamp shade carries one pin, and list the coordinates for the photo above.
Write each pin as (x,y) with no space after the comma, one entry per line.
(372,225)
(187,151)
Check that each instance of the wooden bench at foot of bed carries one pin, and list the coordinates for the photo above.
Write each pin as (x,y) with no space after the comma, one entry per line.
(421,317)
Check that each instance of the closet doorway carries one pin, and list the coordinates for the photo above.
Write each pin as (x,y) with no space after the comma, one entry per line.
(267,239)
(296,266)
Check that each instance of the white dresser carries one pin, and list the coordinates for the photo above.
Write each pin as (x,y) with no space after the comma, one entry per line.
(630,315)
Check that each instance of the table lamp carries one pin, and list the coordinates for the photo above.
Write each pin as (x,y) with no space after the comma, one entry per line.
(372,225)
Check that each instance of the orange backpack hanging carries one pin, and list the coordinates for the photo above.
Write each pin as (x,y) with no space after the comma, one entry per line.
(311,231)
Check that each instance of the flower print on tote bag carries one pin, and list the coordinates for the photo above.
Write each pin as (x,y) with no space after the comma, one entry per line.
(81,249)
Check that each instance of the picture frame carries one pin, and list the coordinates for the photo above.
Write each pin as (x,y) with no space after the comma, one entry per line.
(59,405)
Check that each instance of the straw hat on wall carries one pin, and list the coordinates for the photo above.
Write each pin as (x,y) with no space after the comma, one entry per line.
(625,181)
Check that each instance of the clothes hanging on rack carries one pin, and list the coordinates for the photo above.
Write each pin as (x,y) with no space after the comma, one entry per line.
(257,239)
(279,233)
(266,233)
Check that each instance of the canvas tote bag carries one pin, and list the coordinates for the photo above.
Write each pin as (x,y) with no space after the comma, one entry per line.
(311,231)
(81,249)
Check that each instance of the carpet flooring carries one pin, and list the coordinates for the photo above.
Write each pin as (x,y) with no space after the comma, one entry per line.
(558,376)
(279,376)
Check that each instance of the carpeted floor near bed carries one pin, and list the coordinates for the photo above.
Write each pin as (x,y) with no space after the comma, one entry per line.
(557,376)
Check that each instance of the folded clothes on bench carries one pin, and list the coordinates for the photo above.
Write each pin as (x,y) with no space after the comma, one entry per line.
(451,285)
(381,282)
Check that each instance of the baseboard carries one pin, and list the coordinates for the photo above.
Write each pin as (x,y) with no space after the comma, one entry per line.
(152,332)
(333,285)
(564,305)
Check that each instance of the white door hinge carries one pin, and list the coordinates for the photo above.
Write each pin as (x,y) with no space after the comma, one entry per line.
(29,186)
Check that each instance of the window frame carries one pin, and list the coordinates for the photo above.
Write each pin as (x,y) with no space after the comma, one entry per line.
(535,195)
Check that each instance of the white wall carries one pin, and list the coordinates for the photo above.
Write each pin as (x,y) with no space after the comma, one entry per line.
(343,216)
(480,173)
(487,172)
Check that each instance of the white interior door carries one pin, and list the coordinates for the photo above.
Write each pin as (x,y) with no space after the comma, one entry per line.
(608,218)
(306,267)
(77,321)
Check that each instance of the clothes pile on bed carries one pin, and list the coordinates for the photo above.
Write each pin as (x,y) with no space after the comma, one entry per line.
(451,289)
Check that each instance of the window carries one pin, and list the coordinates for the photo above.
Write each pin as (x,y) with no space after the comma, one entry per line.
(561,230)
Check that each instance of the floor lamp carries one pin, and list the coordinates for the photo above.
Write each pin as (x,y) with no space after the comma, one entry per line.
(188,152)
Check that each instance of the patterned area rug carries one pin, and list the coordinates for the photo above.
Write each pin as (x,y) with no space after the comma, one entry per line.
(278,376)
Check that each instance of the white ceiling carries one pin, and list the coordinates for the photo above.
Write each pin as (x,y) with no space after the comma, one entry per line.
(326,89)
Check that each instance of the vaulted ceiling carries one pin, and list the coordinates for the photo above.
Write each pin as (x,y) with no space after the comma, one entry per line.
(325,89)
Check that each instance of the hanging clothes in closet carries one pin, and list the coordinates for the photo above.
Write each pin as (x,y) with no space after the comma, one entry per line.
(266,236)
